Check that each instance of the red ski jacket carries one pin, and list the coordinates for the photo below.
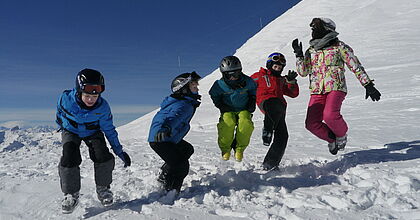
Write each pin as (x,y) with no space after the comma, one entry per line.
(270,86)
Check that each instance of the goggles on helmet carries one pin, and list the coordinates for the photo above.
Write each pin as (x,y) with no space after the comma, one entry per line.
(278,58)
(235,73)
(92,89)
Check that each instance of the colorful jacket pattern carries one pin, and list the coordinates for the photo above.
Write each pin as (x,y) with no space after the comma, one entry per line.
(325,68)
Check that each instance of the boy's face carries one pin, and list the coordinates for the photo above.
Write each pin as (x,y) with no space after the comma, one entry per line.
(194,86)
(277,67)
(89,100)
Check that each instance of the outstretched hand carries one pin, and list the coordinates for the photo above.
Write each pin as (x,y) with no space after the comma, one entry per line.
(297,48)
(125,158)
(291,75)
(372,92)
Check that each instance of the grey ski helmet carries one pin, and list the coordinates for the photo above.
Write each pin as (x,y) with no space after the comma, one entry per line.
(90,81)
(229,64)
(179,85)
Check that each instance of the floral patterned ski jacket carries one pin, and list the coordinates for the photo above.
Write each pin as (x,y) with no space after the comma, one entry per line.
(325,68)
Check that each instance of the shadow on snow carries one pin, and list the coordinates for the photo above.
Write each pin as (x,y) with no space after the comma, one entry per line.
(307,175)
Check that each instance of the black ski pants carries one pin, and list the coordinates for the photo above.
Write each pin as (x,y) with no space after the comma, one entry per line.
(275,119)
(71,159)
(176,166)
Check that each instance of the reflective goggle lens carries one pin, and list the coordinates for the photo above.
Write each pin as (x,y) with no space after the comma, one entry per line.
(235,73)
(92,89)
(278,58)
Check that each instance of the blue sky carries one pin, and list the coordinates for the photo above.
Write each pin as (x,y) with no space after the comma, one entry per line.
(139,47)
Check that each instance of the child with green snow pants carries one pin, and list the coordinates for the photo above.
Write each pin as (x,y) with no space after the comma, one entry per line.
(234,95)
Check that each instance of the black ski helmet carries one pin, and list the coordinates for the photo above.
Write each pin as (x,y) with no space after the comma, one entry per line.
(275,58)
(229,64)
(180,85)
(90,81)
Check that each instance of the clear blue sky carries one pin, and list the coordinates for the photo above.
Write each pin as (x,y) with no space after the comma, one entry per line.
(139,46)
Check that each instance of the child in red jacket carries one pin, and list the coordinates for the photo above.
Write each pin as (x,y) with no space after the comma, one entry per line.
(271,86)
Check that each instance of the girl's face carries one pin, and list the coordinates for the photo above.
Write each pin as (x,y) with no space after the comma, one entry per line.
(194,86)
(89,100)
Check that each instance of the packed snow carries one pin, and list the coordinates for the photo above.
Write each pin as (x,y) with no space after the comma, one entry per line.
(377,176)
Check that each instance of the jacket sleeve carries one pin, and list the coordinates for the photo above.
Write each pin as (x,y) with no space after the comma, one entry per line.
(291,89)
(303,64)
(177,116)
(252,87)
(354,64)
(63,116)
(107,126)
(216,96)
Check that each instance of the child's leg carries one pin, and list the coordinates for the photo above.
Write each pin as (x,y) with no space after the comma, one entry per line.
(314,118)
(104,161)
(277,111)
(244,130)
(176,159)
(226,129)
(68,169)
(332,115)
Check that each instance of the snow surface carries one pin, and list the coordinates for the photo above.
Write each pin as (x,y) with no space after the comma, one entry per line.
(376,177)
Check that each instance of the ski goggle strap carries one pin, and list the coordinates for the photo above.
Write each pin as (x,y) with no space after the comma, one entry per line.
(92,89)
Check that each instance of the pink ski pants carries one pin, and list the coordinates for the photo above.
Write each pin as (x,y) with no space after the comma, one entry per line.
(323,115)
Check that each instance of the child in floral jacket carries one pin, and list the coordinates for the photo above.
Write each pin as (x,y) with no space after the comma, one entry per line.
(324,63)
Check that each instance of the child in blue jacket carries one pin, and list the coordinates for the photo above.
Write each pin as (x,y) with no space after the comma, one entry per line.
(83,114)
(169,127)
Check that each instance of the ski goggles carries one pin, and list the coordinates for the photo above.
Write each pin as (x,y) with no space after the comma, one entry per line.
(235,73)
(92,89)
(277,58)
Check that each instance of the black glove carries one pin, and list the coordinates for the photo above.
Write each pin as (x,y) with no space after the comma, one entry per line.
(224,108)
(291,75)
(371,91)
(297,48)
(162,134)
(251,104)
(125,158)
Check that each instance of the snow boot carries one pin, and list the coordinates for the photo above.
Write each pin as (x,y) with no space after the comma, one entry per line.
(239,155)
(333,148)
(70,202)
(226,156)
(105,195)
(267,136)
(163,174)
(341,142)
(268,167)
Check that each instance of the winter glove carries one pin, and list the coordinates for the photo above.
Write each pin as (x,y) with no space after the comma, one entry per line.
(162,134)
(297,48)
(371,91)
(224,108)
(125,158)
(291,76)
(251,104)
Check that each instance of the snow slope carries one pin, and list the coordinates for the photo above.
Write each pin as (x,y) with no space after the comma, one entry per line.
(376,177)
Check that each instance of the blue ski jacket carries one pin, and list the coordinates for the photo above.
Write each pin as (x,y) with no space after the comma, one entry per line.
(235,98)
(174,114)
(86,122)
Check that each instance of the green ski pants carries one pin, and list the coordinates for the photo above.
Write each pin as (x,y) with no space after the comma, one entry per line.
(228,123)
